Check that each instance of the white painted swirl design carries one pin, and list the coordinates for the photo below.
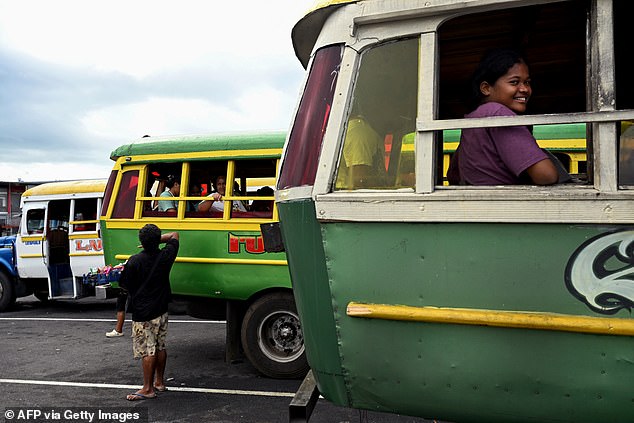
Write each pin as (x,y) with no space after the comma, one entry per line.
(601,272)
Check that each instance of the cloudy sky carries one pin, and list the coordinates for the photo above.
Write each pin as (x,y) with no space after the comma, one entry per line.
(80,77)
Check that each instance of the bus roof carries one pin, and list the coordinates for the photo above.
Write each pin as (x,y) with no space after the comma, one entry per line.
(203,142)
(305,32)
(66,187)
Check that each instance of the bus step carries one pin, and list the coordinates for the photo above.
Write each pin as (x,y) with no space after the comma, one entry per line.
(303,403)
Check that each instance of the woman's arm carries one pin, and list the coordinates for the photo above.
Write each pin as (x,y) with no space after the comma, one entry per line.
(205,205)
(543,172)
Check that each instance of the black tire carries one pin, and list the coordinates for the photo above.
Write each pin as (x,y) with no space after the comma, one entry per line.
(272,337)
(7,292)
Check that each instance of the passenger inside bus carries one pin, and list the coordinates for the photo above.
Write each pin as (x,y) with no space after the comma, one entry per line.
(215,201)
(363,164)
(173,185)
(195,190)
(501,86)
(263,205)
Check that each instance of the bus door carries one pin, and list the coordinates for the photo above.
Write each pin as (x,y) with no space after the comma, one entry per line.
(31,242)
(84,244)
(57,259)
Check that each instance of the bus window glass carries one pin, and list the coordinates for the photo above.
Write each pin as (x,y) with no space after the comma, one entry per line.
(85,214)
(302,153)
(626,154)
(35,221)
(624,88)
(108,192)
(378,147)
(126,197)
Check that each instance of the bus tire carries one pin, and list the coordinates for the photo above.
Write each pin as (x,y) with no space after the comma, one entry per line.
(7,292)
(272,337)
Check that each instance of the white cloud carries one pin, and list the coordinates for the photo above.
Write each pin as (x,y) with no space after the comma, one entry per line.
(92,75)
(138,37)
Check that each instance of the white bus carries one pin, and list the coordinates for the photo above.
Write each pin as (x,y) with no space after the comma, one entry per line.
(58,241)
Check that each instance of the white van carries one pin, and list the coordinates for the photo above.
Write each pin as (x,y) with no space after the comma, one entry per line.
(58,241)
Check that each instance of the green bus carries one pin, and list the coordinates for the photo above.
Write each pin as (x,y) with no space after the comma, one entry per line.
(459,303)
(222,270)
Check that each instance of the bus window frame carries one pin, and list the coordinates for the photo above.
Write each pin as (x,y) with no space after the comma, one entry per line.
(180,215)
(431,201)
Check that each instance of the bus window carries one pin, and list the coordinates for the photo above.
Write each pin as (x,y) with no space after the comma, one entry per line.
(383,110)
(626,154)
(248,177)
(35,221)
(108,192)
(85,214)
(300,167)
(551,60)
(124,204)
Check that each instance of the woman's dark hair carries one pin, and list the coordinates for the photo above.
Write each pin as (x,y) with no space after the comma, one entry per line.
(171,180)
(494,64)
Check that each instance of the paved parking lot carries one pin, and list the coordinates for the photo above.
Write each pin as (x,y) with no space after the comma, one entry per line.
(55,357)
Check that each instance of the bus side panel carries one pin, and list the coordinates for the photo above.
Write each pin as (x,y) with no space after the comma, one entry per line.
(309,275)
(210,263)
(461,372)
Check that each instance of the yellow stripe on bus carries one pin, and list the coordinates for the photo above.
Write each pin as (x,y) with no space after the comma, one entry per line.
(234,154)
(85,254)
(33,238)
(497,318)
(31,256)
(124,257)
(190,224)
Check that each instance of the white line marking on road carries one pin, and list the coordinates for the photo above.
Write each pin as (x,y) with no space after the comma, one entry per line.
(136,387)
(68,319)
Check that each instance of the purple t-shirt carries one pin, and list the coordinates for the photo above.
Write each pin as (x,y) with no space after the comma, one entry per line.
(496,156)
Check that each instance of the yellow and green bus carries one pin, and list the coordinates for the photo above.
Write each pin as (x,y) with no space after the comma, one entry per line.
(222,270)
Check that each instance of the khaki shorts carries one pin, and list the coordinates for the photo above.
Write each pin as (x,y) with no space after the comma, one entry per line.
(149,337)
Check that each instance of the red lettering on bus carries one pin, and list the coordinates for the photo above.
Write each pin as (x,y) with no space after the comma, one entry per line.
(91,245)
(253,244)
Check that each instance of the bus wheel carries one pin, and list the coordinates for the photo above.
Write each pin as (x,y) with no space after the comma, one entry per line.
(272,337)
(7,292)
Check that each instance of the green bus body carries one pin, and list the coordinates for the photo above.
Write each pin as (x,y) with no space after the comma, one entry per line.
(194,275)
(459,372)
(222,269)
(490,304)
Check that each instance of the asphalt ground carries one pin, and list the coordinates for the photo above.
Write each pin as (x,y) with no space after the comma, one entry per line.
(56,362)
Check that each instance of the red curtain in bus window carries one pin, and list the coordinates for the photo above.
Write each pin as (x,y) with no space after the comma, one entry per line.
(302,153)
(108,192)
(126,197)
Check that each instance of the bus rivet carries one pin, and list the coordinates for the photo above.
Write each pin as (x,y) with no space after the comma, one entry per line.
(322,212)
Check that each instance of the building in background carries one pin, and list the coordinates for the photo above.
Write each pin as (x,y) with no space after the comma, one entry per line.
(10,193)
